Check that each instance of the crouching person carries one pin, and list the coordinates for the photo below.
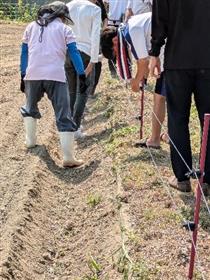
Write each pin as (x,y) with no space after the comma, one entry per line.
(87,24)
(135,37)
(44,46)
(131,38)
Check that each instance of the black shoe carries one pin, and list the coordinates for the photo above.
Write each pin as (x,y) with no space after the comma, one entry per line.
(206,189)
(184,186)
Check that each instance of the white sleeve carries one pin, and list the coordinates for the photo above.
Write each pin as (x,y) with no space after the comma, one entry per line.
(161,56)
(130,4)
(95,35)
(26,34)
(69,35)
(139,42)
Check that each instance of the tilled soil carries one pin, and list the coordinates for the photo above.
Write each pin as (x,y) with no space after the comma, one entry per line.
(110,219)
(48,229)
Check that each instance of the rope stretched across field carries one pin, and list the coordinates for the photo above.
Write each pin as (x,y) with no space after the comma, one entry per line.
(124,62)
(198,197)
(176,207)
(171,197)
(199,191)
(189,169)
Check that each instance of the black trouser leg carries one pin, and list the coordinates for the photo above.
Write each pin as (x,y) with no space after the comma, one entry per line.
(112,67)
(81,99)
(180,85)
(202,101)
(98,67)
(77,100)
(34,92)
(91,81)
(71,76)
(57,92)
(97,74)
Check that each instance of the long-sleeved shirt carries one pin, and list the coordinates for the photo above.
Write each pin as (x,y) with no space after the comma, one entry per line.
(137,33)
(184,25)
(139,6)
(87,24)
(117,8)
(45,59)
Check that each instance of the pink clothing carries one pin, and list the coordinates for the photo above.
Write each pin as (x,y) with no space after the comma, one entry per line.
(46,57)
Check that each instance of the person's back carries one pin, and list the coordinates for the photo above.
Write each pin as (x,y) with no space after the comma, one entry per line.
(47,50)
(86,16)
(135,23)
(184,26)
(187,33)
(87,21)
(140,6)
(139,31)
(45,44)
(116,9)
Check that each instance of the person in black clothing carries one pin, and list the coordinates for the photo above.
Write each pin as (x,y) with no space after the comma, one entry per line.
(184,26)
(104,16)
(96,73)
(104,19)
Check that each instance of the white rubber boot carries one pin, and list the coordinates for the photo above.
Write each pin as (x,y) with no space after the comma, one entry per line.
(30,130)
(67,146)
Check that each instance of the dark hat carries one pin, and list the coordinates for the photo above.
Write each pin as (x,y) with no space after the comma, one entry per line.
(54,10)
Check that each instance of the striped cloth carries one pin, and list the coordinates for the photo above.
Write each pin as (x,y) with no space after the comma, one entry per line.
(124,63)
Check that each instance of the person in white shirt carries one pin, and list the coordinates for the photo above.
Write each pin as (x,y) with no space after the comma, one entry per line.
(86,16)
(137,7)
(44,46)
(116,11)
(116,15)
(135,37)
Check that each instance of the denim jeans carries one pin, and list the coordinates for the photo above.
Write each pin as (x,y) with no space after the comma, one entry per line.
(57,93)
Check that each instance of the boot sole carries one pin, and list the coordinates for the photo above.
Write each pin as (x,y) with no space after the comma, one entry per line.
(73,165)
(31,146)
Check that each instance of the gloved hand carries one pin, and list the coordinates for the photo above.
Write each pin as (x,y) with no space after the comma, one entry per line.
(82,84)
(22,83)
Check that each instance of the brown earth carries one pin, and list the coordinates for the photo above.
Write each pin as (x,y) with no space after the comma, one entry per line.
(110,219)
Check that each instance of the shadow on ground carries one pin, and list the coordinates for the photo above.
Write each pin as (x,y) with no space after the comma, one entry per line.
(99,118)
(68,175)
(102,135)
(188,210)
(161,157)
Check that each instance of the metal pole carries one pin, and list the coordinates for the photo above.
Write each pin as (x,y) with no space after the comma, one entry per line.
(141,111)
(198,192)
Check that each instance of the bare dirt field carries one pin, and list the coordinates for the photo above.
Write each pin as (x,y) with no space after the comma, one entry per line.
(111,219)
